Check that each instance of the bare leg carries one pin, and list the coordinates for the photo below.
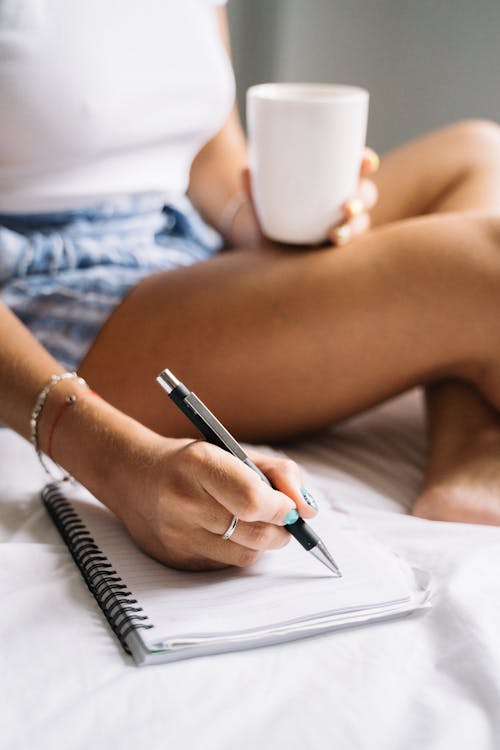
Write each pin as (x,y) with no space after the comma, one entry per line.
(457,169)
(454,169)
(462,481)
(301,340)
(281,343)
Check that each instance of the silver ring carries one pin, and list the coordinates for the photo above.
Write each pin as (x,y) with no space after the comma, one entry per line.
(230,529)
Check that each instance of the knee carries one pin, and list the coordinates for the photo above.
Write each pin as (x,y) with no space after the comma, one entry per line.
(478,141)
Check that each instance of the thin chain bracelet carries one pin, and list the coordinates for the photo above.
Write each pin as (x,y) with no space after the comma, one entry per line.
(35,419)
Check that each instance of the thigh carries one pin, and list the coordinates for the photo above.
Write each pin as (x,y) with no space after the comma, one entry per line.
(415,178)
(279,343)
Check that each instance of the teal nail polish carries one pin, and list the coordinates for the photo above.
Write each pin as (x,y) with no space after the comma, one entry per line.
(309,498)
(291,516)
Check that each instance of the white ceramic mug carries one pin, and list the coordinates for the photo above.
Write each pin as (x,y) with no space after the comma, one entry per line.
(306,145)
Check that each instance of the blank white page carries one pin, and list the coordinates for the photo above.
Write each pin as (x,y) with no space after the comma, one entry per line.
(284,586)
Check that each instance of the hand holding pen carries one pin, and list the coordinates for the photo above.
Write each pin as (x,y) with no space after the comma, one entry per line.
(216,433)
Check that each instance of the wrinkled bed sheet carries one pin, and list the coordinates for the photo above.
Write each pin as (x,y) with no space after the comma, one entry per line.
(431,680)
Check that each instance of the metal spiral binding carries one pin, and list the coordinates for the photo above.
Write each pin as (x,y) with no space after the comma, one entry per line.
(108,589)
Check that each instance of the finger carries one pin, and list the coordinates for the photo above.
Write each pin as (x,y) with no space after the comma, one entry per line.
(246,183)
(370,162)
(368,193)
(286,476)
(356,226)
(239,489)
(215,518)
(195,548)
(359,225)
(178,552)
(363,200)
(257,535)
(227,551)
(341,235)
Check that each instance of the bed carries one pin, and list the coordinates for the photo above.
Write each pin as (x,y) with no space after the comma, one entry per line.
(430,680)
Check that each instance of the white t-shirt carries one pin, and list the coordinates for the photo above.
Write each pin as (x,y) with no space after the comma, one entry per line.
(100,98)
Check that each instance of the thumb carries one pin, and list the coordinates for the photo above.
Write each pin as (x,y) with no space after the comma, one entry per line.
(286,477)
(246,183)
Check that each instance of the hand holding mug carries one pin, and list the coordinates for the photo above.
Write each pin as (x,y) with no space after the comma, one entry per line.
(357,208)
(306,149)
(246,232)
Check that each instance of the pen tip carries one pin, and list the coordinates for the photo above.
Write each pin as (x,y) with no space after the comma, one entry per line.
(321,553)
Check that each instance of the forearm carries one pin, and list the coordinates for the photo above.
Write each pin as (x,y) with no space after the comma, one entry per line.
(25,367)
(167,492)
(106,450)
(93,440)
(216,173)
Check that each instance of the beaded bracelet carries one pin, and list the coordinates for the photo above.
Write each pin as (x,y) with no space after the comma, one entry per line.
(35,418)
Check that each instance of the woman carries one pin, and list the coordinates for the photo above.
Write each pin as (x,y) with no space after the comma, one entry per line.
(97,134)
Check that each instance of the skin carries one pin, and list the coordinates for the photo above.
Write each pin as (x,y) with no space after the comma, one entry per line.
(312,336)
(371,338)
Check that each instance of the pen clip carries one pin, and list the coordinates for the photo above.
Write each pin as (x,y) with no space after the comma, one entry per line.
(224,436)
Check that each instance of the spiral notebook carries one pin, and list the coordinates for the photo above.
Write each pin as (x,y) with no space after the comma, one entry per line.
(160,614)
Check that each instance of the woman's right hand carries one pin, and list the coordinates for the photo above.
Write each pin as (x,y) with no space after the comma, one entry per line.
(356,211)
(194,491)
(177,497)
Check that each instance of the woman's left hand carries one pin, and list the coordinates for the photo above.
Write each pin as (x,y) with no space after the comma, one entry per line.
(244,230)
(357,208)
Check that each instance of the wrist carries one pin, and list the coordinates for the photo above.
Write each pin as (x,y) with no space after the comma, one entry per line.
(238,223)
(45,402)
(106,451)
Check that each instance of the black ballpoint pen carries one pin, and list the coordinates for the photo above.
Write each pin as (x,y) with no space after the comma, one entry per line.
(216,433)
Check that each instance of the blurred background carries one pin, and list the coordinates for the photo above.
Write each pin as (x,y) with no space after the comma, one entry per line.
(425,62)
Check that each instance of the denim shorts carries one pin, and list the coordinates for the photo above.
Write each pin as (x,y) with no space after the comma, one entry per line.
(64,273)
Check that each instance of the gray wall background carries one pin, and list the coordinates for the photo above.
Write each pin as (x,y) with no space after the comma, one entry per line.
(425,62)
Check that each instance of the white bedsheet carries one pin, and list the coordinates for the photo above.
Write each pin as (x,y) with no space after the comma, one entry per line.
(428,681)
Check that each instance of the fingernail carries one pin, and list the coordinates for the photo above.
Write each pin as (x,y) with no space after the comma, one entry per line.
(309,498)
(373,158)
(354,207)
(341,235)
(290,517)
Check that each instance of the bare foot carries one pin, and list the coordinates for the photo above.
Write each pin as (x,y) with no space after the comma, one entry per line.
(466,486)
